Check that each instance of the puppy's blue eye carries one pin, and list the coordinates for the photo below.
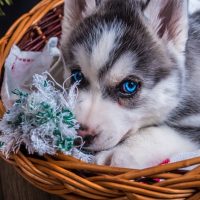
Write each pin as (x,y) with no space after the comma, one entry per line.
(77,76)
(129,87)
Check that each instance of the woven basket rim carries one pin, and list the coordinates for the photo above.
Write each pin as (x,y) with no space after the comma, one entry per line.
(22,24)
(57,175)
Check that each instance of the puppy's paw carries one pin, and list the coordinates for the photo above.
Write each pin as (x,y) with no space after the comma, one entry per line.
(117,157)
(104,157)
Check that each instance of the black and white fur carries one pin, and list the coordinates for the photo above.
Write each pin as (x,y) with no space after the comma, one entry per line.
(147,40)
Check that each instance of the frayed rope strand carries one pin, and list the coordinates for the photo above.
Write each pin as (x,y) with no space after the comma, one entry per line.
(43,120)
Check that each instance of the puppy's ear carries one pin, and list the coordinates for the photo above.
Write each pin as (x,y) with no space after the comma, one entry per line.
(74,12)
(169,19)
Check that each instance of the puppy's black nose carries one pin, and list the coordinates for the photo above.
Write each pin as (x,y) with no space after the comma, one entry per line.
(83,127)
(85,130)
(87,134)
(88,140)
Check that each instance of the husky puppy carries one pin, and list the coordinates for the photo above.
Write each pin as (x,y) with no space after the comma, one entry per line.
(138,67)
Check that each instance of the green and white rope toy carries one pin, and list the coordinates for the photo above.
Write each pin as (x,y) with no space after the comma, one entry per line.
(42,120)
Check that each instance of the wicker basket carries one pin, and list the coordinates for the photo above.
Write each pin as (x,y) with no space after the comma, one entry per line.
(72,179)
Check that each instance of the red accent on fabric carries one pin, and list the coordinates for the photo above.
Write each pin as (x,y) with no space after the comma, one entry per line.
(165,162)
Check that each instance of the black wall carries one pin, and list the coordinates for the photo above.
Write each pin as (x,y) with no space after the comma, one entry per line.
(13,12)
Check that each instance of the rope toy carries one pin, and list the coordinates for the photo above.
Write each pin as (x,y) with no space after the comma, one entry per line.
(42,120)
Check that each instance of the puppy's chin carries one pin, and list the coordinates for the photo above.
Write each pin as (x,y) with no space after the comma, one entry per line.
(110,142)
(96,148)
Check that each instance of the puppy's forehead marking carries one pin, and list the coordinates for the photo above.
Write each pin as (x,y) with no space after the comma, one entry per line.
(106,38)
(81,56)
(123,67)
(103,48)
(84,61)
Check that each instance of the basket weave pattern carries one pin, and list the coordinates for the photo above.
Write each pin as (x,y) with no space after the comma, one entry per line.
(75,180)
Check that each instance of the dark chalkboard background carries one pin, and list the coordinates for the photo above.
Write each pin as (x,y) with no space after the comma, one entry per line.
(13,12)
